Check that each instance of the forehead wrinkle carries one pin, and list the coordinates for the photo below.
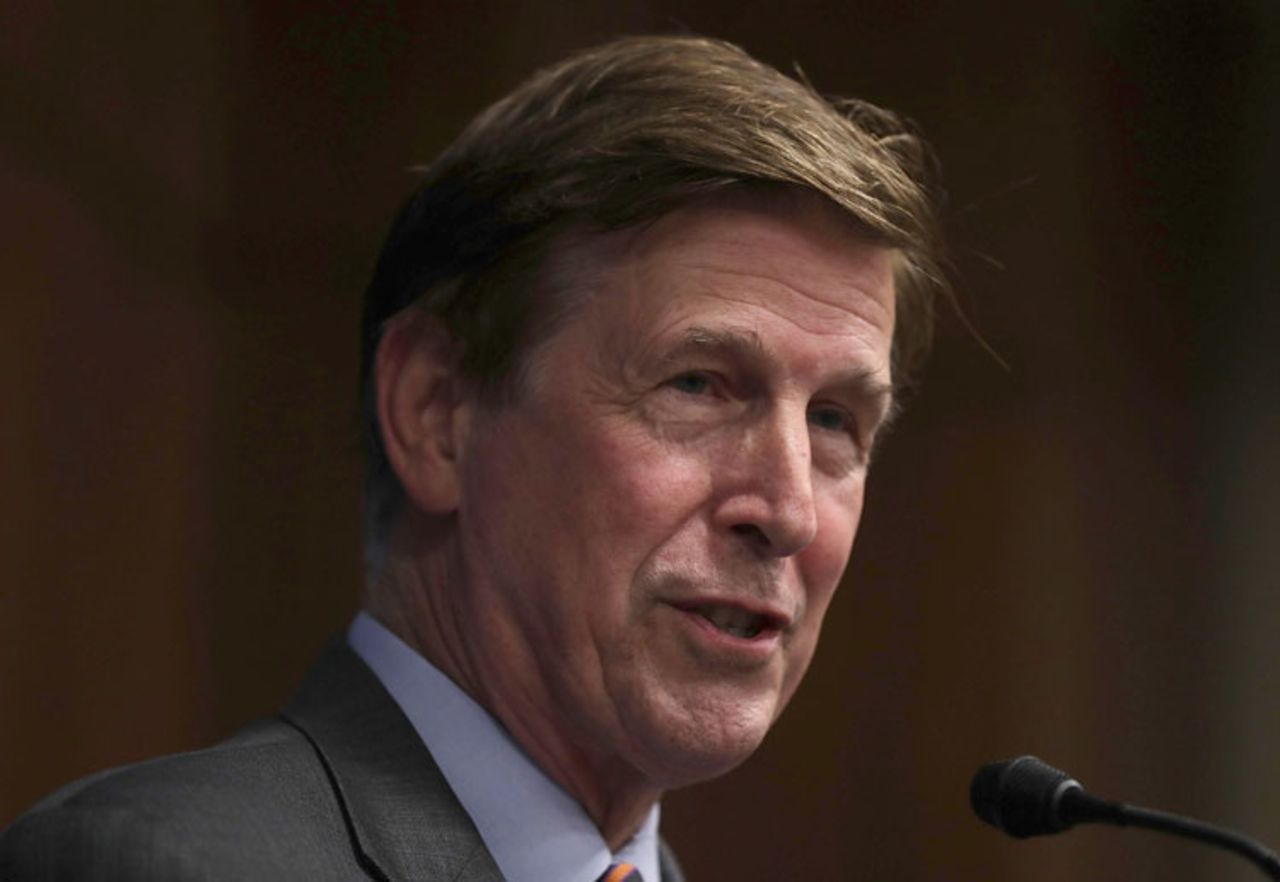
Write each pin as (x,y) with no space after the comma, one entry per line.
(839,296)
(595,267)
(736,339)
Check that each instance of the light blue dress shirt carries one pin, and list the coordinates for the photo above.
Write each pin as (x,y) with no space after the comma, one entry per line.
(535,831)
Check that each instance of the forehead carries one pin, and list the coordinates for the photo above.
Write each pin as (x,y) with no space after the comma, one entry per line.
(789,256)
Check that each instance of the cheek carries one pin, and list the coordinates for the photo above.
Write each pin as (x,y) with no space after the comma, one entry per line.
(647,489)
(597,501)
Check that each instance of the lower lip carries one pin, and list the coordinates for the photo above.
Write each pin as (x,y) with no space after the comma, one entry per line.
(750,650)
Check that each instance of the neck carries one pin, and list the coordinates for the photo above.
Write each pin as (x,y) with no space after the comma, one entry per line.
(410,595)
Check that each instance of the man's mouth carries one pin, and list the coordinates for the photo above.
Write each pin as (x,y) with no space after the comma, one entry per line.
(736,621)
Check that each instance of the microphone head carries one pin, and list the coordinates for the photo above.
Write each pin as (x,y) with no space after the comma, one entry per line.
(1021,796)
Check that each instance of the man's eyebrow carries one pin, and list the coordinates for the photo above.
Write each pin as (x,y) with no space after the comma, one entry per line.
(721,341)
(746,342)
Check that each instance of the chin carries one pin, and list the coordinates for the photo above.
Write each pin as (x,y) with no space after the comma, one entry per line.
(699,742)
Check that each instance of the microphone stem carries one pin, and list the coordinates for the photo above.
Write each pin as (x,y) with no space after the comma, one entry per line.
(1079,806)
(1228,839)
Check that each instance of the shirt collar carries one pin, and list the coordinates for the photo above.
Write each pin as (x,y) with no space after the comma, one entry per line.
(533,829)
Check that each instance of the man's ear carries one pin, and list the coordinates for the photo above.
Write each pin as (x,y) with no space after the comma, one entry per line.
(421,408)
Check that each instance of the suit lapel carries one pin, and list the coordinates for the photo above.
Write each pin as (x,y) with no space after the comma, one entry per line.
(404,820)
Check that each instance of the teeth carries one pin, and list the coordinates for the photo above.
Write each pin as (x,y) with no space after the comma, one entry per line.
(733,621)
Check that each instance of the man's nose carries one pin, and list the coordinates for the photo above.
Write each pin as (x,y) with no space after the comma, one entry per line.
(769,501)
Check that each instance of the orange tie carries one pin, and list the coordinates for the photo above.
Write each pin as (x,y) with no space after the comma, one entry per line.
(621,873)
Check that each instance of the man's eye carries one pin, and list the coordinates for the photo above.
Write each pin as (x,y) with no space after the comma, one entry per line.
(831,419)
(691,384)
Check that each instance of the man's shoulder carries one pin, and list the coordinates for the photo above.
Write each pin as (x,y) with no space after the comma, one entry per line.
(233,810)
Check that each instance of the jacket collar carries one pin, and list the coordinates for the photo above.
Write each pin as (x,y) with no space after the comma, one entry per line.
(404,820)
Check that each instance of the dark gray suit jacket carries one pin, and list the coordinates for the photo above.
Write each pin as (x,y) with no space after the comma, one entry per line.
(338,786)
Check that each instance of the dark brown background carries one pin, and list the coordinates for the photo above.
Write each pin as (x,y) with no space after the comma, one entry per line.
(1075,556)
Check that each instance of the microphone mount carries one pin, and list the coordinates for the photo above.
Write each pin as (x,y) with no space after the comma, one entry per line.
(1025,797)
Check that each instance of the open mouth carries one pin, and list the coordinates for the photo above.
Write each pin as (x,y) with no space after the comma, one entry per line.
(735,621)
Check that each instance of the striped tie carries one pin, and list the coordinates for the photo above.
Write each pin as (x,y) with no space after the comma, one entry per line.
(622,873)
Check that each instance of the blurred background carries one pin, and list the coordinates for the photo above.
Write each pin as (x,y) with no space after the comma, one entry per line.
(1071,550)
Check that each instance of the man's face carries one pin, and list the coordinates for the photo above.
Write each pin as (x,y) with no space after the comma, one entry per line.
(650,534)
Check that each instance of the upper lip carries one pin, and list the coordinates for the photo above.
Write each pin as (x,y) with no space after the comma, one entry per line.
(775,618)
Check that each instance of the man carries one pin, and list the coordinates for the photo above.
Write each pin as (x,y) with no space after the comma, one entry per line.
(627,352)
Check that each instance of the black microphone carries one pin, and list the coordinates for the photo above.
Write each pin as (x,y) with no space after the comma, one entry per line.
(1027,797)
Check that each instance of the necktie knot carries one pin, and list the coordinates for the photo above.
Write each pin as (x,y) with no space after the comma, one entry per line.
(621,873)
